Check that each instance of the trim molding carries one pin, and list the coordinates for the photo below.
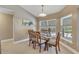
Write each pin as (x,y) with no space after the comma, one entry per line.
(20,41)
(69,48)
(6,40)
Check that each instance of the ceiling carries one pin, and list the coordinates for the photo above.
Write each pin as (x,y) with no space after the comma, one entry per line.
(37,9)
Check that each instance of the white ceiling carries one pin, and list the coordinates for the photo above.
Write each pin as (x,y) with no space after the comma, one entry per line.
(37,9)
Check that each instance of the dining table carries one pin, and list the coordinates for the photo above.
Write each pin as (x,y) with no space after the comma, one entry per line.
(47,39)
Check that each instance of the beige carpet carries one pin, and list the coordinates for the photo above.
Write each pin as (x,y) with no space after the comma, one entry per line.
(10,47)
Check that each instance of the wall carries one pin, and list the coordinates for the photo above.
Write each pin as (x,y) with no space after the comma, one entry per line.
(77,30)
(6,26)
(20,31)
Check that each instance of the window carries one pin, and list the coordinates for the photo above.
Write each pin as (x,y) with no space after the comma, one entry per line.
(27,22)
(66,27)
(43,26)
(52,26)
(48,24)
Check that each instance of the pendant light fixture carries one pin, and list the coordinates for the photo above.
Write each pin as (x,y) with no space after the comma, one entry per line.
(42,14)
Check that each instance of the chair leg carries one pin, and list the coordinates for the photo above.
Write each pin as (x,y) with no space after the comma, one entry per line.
(58,47)
(34,45)
(45,46)
(29,42)
(40,48)
(56,50)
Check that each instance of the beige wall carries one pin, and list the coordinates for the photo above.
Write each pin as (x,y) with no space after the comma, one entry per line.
(20,31)
(0,46)
(6,26)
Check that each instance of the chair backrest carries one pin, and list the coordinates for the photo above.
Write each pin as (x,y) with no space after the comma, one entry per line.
(58,38)
(38,36)
(30,33)
(34,34)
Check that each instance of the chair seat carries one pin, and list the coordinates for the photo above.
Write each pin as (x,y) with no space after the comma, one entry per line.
(33,39)
(42,41)
(51,41)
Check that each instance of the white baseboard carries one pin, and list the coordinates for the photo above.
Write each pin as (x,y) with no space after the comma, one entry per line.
(20,41)
(6,40)
(69,48)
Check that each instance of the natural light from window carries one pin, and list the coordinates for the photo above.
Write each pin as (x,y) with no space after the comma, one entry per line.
(48,25)
(66,27)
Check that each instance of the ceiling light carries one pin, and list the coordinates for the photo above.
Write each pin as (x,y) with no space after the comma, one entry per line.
(42,14)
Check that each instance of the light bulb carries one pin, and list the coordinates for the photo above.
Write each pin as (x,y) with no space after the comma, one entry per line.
(42,15)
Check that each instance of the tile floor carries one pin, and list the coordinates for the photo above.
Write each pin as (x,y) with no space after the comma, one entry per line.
(9,47)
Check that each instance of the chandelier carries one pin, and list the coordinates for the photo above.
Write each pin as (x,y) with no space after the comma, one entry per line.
(42,14)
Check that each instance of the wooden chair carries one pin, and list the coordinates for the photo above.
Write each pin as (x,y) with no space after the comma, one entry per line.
(31,37)
(39,40)
(55,43)
(35,38)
